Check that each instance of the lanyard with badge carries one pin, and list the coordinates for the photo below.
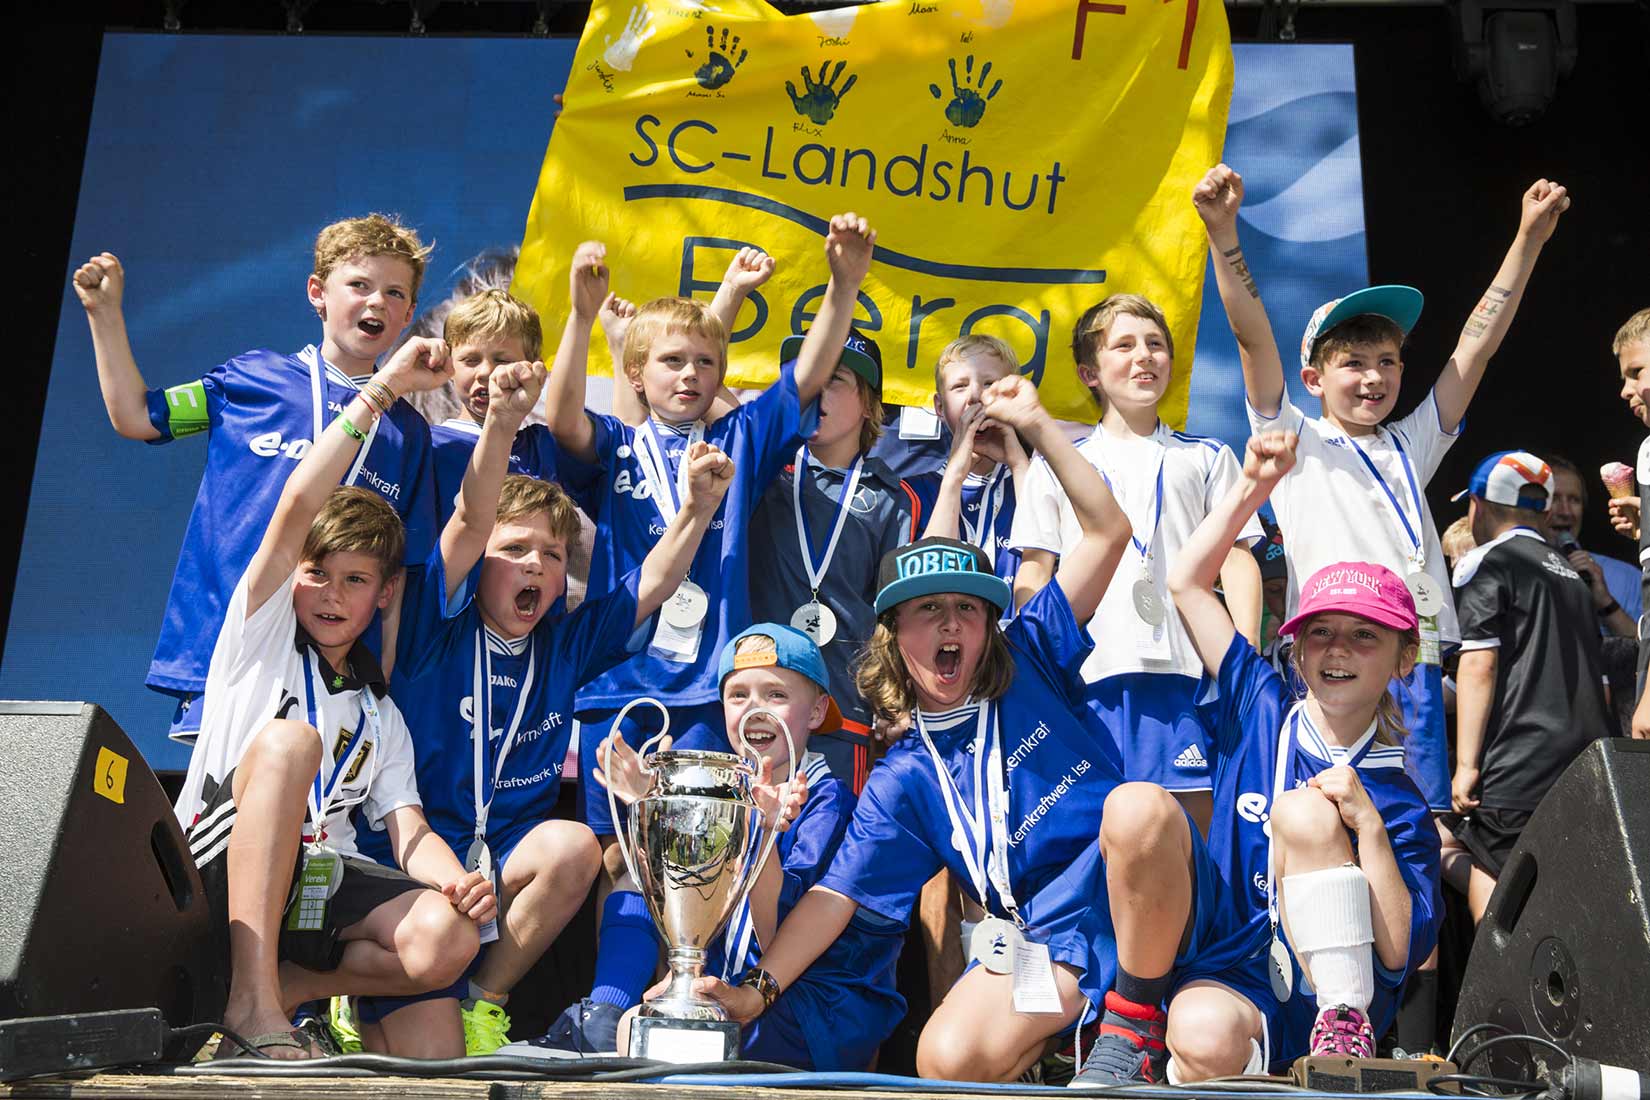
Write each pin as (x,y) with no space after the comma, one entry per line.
(480,856)
(323,866)
(1150,609)
(1429,599)
(318,406)
(682,618)
(815,618)
(984,528)
(1001,946)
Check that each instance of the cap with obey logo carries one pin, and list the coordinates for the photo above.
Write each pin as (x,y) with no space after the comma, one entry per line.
(792,649)
(1399,304)
(1359,588)
(937,565)
(1511,478)
(860,354)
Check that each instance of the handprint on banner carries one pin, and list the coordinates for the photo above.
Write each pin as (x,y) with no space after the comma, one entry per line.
(995,13)
(621,55)
(719,68)
(967,105)
(820,99)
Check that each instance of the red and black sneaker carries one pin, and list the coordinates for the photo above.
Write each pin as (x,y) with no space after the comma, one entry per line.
(1130,1050)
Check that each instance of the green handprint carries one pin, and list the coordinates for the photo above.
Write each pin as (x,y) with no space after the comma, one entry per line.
(820,99)
(967,106)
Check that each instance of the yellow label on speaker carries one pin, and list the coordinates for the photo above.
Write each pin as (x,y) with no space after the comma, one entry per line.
(109,777)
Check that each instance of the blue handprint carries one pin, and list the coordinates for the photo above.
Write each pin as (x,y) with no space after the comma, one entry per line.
(819,101)
(967,105)
(719,68)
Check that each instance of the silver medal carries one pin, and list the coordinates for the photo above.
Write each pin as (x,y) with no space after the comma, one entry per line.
(1147,603)
(816,621)
(1428,599)
(993,944)
(1281,968)
(686,607)
(479,858)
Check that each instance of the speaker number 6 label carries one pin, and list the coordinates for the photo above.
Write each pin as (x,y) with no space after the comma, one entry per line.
(109,776)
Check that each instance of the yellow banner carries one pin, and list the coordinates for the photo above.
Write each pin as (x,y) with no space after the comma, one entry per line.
(1020,160)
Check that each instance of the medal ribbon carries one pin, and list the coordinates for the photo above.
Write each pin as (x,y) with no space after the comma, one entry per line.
(1412,530)
(972,846)
(318,406)
(320,799)
(991,503)
(667,492)
(481,724)
(1144,549)
(816,573)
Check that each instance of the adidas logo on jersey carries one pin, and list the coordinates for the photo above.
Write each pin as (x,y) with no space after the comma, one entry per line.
(1191,757)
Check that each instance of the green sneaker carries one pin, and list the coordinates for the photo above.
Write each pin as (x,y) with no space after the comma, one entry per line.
(486,1027)
(341,1019)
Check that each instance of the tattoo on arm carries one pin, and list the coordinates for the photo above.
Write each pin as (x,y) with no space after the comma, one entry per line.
(1484,313)
(1240,266)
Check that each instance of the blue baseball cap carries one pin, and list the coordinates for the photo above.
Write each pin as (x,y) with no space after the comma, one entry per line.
(792,649)
(1399,304)
(1512,478)
(860,354)
(936,565)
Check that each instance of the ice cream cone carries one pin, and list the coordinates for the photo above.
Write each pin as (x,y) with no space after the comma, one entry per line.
(1618,479)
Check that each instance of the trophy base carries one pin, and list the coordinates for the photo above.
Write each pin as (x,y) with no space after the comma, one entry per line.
(663,1039)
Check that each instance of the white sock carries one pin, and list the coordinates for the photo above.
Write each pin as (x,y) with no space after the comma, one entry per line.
(1331,932)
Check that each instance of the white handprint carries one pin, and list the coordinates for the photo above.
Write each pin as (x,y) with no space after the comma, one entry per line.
(994,13)
(621,55)
(835,22)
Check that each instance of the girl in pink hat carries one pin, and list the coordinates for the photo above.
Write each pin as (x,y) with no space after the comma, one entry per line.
(1323,836)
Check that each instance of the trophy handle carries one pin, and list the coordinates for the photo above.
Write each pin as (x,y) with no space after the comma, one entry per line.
(641,753)
(756,762)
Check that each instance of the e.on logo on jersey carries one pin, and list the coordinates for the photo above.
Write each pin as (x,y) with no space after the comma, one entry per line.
(270,444)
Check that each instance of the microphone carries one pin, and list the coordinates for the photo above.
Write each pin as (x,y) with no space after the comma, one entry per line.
(1568,545)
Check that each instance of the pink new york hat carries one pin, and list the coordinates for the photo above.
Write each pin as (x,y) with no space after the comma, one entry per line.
(1360,588)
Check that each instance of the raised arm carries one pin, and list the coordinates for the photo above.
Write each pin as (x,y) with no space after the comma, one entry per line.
(1481,336)
(421,364)
(1086,568)
(945,520)
(749,269)
(1240,586)
(848,247)
(564,395)
(512,391)
(710,472)
(1218,197)
(1192,575)
(99,285)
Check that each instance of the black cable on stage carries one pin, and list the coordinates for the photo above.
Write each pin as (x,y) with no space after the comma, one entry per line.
(488,1066)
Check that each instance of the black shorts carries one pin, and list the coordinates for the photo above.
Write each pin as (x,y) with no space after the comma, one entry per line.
(365,886)
(1490,835)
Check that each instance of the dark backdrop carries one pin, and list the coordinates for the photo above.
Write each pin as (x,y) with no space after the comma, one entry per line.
(1441,185)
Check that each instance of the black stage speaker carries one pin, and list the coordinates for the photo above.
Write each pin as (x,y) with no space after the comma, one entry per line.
(100,903)
(1564,948)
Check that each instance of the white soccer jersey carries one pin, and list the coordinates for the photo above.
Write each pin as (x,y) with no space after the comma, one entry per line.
(256,675)
(1333,509)
(1196,472)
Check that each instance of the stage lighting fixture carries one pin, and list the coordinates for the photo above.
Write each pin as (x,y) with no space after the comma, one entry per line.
(1516,51)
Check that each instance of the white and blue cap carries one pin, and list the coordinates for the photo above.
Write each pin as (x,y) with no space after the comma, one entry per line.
(1399,304)
(1517,479)
(792,649)
(936,565)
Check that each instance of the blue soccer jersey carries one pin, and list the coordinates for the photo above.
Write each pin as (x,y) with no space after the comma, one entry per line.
(759,437)
(533,453)
(261,412)
(994,494)
(1250,709)
(530,692)
(845,1004)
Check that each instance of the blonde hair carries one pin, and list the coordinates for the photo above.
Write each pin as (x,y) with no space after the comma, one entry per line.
(357,521)
(754,643)
(1635,331)
(494,313)
(885,683)
(1365,328)
(373,235)
(524,496)
(1090,330)
(1457,539)
(1389,716)
(966,347)
(666,315)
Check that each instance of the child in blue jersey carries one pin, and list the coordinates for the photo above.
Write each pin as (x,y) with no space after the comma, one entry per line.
(675,355)
(972,496)
(263,410)
(1001,782)
(1143,674)
(841,1009)
(1315,808)
(484,651)
(297,732)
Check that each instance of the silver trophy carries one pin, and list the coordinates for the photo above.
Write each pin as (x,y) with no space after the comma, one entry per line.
(697,842)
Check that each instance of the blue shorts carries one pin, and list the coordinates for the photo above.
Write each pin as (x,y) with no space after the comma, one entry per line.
(1154,726)
(777,1036)
(186,719)
(1426,749)
(691,727)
